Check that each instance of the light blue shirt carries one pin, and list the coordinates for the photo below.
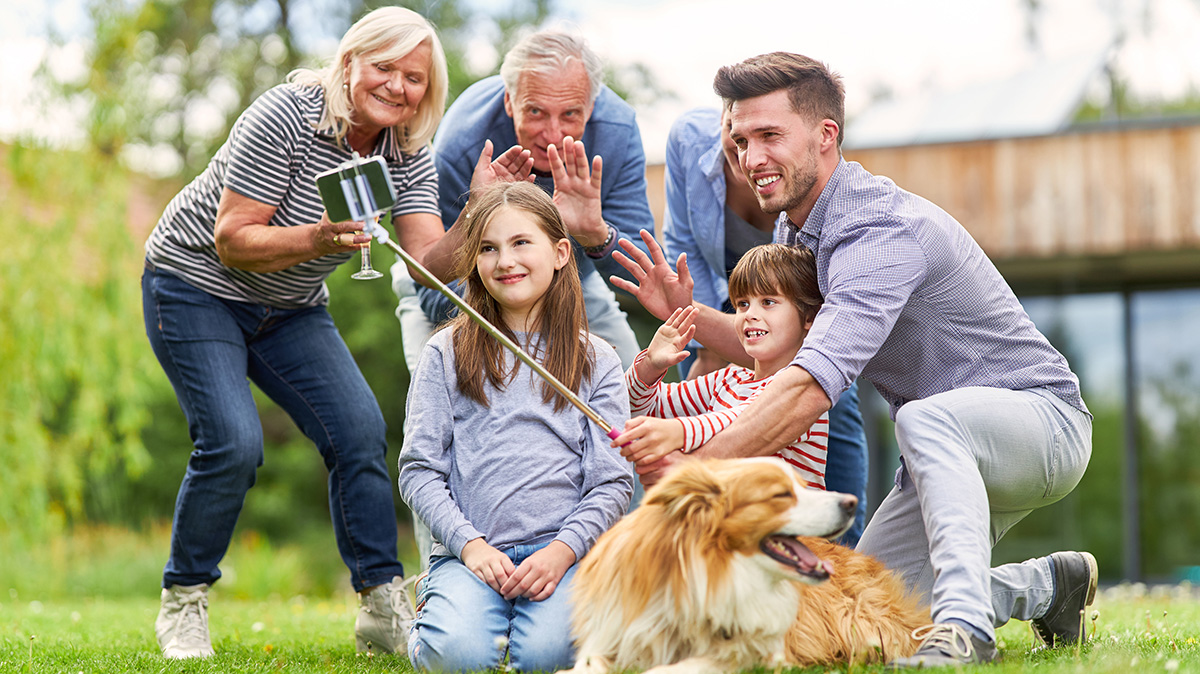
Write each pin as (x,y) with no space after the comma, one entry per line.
(911,300)
(694,222)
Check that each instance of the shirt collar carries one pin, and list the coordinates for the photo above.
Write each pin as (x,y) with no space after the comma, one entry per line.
(712,162)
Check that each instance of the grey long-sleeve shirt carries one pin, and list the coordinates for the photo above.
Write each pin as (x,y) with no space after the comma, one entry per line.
(514,471)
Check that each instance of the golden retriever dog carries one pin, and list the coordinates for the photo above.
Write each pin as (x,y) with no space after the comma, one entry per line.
(723,567)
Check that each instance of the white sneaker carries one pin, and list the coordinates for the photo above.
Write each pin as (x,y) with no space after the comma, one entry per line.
(182,624)
(384,616)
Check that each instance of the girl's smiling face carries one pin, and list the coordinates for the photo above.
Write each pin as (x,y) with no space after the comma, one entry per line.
(771,331)
(516,261)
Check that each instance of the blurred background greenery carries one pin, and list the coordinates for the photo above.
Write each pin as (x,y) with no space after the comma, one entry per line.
(93,444)
(92,441)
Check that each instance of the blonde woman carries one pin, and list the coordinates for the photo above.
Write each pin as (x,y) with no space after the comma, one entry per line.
(234,291)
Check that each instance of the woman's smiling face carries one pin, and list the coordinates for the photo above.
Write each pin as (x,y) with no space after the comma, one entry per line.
(384,94)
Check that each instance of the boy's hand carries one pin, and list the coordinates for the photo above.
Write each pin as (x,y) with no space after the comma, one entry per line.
(648,439)
(489,564)
(538,576)
(667,346)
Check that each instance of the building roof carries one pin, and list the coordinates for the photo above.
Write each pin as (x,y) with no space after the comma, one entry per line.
(1036,102)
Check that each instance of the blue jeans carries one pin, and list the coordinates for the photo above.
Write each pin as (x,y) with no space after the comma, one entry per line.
(846,468)
(208,347)
(461,621)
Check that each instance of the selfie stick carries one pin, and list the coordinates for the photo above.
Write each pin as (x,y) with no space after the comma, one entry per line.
(362,203)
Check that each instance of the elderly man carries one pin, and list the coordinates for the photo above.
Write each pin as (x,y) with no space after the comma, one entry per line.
(586,150)
(989,418)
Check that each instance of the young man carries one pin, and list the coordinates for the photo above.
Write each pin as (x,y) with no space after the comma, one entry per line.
(989,418)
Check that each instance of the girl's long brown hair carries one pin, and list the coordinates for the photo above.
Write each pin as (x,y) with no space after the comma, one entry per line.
(560,338)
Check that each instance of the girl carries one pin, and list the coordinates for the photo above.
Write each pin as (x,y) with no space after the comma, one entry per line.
(775,293)
(514,482)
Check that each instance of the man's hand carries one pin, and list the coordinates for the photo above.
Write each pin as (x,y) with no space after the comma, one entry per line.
(538,576)
(577,192)
(646,440)
(651,473)
(660,289)
(489,564)
(514,165)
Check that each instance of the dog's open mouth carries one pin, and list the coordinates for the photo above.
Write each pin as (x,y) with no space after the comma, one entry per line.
(791,552)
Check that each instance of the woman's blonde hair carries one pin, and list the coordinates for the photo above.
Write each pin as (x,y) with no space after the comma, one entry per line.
(385,34)
(559,340)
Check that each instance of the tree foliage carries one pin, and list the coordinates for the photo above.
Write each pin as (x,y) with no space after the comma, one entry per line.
(166,79)
(76,375)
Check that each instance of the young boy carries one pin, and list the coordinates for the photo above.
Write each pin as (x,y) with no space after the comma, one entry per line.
(775,294)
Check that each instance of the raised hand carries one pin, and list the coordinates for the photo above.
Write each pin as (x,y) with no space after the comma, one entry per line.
(577,191)
(660,289)
(515,164)
(667,346)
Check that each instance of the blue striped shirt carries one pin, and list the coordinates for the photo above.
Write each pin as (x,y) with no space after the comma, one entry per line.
(912,303)
(273,156)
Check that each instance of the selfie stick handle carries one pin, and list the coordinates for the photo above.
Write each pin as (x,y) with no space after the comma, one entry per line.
(381,235)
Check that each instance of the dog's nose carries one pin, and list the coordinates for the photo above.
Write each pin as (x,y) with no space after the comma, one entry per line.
(849,503)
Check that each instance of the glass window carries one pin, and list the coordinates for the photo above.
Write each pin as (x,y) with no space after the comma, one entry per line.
(1166,344)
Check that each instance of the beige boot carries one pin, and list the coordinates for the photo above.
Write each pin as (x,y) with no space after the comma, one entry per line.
(384,615)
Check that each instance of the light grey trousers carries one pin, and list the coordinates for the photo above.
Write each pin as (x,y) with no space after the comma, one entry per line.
(975,461)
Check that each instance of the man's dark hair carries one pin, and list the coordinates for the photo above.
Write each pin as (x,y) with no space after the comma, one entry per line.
(814,90)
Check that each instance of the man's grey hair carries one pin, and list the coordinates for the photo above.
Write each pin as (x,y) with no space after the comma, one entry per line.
(550,51)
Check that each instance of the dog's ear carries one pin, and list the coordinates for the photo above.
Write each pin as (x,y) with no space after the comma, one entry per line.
(688,492)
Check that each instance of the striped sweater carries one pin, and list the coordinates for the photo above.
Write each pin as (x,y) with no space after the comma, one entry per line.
(708,404)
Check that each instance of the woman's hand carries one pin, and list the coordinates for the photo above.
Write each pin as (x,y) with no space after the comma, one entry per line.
(538,576)
(244,239)
(657,287)
(337,237)
(489,564)
(645,440)
(667,346)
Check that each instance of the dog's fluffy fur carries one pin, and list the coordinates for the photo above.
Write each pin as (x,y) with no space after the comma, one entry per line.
(685,582)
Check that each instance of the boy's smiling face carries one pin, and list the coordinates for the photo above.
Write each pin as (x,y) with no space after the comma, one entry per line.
(771,331)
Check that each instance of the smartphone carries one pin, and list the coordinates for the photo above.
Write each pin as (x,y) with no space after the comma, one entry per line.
(357,190)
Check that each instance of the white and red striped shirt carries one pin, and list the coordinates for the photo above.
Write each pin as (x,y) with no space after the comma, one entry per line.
(708,404)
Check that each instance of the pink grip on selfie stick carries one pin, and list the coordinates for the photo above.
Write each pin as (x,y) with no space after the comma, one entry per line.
(614,432)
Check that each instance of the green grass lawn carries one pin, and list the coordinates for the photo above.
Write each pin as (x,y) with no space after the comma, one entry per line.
(1135,631)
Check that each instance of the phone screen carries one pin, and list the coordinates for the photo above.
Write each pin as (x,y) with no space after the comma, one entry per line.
(357,190)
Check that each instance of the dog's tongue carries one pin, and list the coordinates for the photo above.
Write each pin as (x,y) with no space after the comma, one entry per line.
(792,552)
